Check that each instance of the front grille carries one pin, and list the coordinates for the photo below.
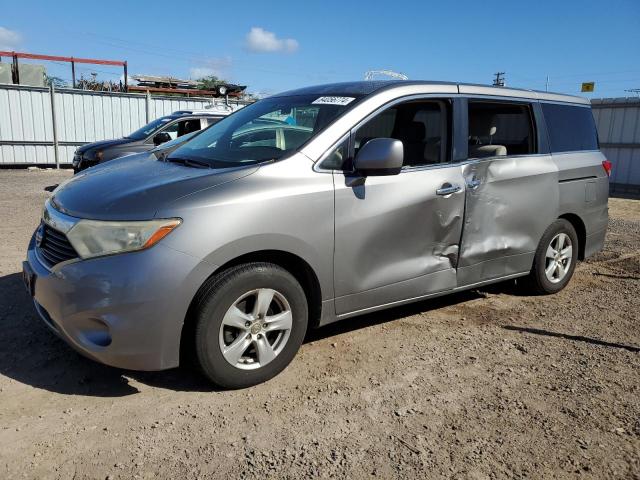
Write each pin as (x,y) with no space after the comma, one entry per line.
(54,246)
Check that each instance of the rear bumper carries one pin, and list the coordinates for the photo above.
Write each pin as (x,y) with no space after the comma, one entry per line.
(594,243)
(125,310)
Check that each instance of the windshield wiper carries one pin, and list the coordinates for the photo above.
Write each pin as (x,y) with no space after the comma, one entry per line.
(188,162)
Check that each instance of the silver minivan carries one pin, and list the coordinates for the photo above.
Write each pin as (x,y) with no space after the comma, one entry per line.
(313,206)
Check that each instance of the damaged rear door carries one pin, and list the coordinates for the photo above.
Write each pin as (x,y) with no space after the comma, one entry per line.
(397,237)
(512,189)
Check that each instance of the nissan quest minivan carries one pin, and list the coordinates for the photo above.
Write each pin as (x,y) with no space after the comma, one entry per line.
(313,206)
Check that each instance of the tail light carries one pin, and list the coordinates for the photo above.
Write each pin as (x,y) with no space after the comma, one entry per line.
(606,164)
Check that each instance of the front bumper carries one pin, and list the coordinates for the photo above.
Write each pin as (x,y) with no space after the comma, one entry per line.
(124,310)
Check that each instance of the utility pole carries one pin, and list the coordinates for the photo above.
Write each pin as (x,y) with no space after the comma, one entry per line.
(499,80)
(126,77)
(546,84)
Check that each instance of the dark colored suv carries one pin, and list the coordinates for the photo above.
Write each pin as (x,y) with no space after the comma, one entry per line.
(150,136)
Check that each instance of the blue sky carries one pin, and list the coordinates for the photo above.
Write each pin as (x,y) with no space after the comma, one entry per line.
(275,46)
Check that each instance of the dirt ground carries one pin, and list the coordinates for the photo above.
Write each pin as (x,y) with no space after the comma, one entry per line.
(483,384)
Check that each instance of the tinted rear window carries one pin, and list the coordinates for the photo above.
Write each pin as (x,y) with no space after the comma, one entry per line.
(571,128)
(500,128)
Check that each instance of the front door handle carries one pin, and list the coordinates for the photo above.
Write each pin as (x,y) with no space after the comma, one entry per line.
(448,189)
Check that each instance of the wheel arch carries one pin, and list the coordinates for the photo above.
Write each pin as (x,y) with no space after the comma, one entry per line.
(581,231)
(294,264)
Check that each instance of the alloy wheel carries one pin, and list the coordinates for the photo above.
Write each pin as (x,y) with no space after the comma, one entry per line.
(558,258)
(255,329)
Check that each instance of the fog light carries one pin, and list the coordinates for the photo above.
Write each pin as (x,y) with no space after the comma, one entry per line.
(95,333)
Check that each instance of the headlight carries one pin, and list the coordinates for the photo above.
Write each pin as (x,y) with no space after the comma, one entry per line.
(92,155)
(93,238)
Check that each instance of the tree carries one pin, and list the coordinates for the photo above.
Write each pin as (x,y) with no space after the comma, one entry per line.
(57,82)
(209,82)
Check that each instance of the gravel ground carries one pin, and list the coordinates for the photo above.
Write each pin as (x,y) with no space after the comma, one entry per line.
(483,384)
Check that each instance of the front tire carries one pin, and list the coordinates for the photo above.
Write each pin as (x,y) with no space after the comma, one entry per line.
(555,259)
(250,322)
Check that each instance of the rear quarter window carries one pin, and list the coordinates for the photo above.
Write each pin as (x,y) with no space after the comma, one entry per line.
(571,128)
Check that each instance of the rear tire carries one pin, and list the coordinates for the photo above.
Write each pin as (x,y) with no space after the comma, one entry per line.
(555,259)
(250,321)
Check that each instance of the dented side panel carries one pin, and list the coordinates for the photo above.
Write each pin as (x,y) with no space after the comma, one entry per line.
(515,200)
(395,238)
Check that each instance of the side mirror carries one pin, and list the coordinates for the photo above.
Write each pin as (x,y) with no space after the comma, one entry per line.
(380,156)
(160,138)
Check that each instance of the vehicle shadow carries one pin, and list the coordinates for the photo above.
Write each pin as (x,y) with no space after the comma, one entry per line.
(31,354)
(575,338)
(51,188)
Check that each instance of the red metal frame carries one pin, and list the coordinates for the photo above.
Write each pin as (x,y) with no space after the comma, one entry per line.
(55,58)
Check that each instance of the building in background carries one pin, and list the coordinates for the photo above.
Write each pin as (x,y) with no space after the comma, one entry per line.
(29,74)
(618,122)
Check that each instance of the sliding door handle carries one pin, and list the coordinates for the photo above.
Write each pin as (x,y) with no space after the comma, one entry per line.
(473,183)
(448,189)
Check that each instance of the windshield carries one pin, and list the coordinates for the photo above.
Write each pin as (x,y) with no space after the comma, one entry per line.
(176,141)
(149,128)
(264,131)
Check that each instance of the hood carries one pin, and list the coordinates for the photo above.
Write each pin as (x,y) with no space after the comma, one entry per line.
(136,187)
(104,144)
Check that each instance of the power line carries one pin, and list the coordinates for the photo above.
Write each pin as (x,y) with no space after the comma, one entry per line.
(191,57)
(595,74)
(620,80)
(552,79)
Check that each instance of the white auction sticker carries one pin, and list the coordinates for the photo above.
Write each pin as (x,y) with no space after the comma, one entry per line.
(333,100)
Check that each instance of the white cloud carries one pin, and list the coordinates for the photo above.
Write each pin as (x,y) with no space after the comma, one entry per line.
(9,39)
(259,40)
